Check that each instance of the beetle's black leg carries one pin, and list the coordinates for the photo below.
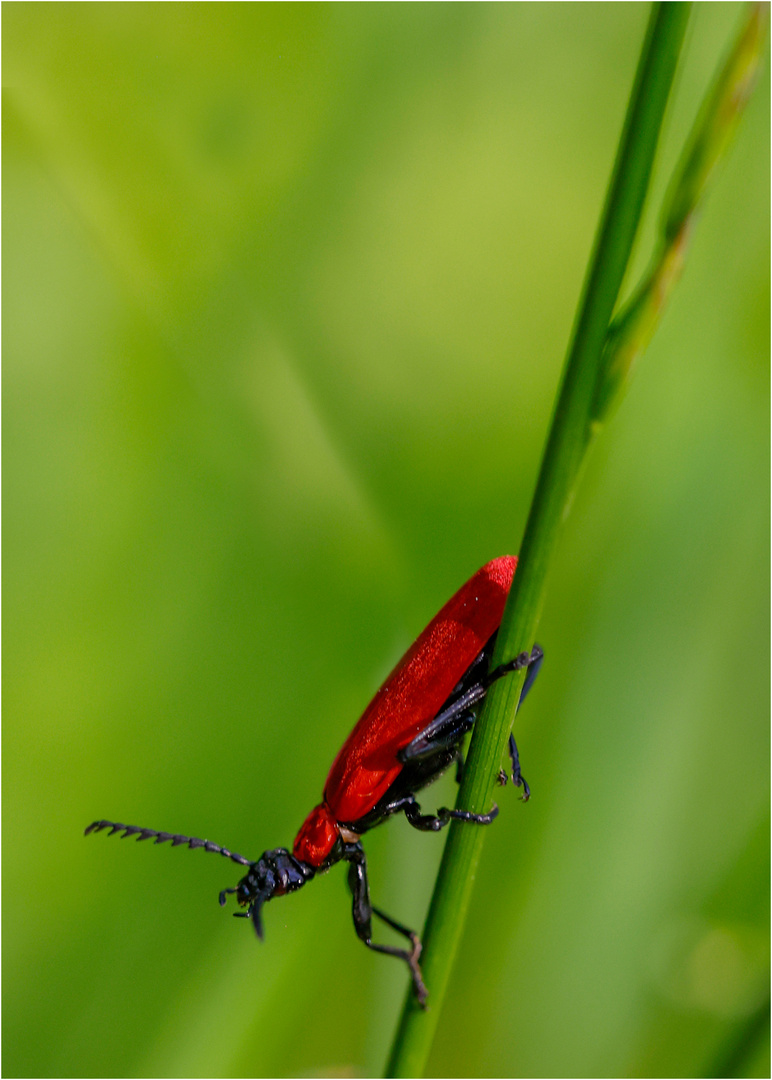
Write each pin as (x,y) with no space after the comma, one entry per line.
(475,819)
(517,777)
(457,718)
(398,926)
(437,737)
(438,746)
(363,912)
(426,822)
(435,822)
(533,670)
(532,661)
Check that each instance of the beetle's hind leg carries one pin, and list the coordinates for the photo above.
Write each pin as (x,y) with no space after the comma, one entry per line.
(517,777)
(363,912)
(459,712)
(444,734)
(533,661)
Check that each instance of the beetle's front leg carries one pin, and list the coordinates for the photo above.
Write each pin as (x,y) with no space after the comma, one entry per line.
(363,912)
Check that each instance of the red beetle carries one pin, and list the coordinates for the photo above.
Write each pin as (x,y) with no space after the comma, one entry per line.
(410,732)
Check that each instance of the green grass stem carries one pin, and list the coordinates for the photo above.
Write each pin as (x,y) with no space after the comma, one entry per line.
(560,469)
(634,326)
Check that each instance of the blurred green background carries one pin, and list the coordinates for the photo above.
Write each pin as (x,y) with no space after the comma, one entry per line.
(287,294)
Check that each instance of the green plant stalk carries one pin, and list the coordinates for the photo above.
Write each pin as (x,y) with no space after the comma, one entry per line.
(717,121)
(632,330)
(560,468)
(634,326)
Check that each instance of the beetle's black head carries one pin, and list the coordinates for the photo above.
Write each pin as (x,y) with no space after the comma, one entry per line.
(275,873)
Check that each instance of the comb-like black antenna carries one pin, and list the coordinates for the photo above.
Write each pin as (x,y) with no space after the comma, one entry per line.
(162,837)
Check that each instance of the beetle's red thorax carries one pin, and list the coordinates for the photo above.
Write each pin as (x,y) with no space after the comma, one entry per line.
(317,836)
(415,691)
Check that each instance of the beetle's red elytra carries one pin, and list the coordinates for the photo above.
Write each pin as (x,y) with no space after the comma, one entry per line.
(413,694)
(410,733)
